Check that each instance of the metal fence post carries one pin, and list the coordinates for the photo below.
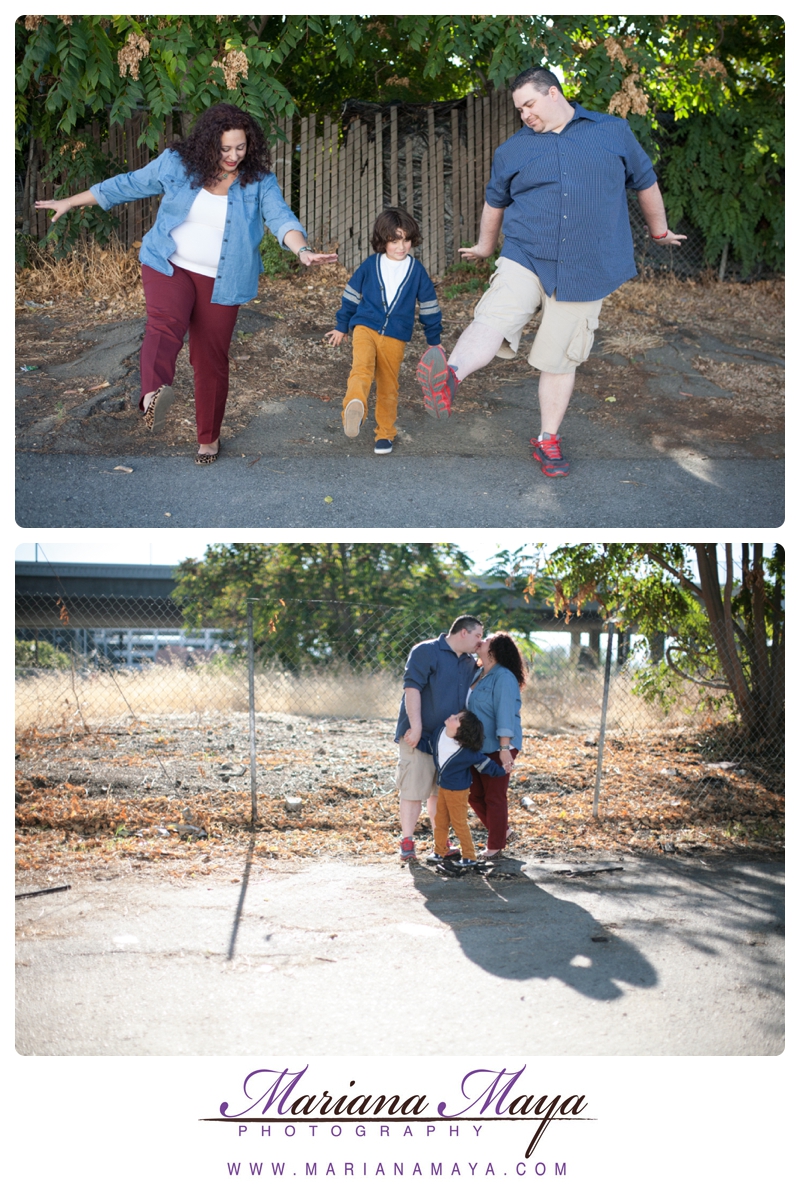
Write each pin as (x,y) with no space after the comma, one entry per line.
(603,713)
(252,703)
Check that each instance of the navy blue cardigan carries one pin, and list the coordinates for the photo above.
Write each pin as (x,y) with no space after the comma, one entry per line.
(455,773)
(364,303)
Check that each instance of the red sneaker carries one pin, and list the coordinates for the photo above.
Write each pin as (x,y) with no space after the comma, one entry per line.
(407,849)
(439,383)
(548,452)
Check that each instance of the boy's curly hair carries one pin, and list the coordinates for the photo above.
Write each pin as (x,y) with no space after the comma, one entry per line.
(470,731)
(200,152)
(389,223)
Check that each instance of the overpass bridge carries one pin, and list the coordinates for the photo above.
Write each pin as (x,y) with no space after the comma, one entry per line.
(127,612)
(123,614)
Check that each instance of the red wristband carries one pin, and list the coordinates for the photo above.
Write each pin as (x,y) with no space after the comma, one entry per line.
(661,237)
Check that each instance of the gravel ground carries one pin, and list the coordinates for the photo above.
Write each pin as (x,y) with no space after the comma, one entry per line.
(176,792)
(676,366)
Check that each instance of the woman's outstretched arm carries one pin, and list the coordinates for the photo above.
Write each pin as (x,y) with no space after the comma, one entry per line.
(61,206)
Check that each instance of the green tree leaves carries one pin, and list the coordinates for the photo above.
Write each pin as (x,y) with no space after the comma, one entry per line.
(724,612)
(328,603)
(724,174)
(707,90)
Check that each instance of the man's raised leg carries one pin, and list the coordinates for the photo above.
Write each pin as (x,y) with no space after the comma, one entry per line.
(440,377)
(476,347)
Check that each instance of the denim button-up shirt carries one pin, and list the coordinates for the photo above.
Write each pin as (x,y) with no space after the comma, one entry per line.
(442,677)
(566,206)
(497,703)
(249,208)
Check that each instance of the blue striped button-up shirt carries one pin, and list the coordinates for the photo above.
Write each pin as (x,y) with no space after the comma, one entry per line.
(566,206)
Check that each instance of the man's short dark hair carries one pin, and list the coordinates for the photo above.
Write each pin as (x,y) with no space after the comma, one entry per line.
(389,223)
(539,77)
(465,622)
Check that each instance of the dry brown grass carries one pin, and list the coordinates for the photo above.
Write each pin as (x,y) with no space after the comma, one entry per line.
(755,311)
(658,790)
(631,343)
(111,276)
(565,703)
(757,386)
(638,308)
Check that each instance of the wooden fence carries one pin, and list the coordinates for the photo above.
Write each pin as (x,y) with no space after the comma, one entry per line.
(337,177)
(437,170)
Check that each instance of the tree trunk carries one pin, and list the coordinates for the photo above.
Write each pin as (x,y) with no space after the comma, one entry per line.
(720,619)
(31,182)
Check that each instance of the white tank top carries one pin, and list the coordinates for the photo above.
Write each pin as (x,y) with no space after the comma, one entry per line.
(199,237)
(392,274)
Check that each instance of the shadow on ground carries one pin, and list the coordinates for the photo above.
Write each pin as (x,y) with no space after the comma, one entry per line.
(513,929)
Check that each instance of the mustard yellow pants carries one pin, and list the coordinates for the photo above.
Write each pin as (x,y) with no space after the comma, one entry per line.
(452,808)
(376,357)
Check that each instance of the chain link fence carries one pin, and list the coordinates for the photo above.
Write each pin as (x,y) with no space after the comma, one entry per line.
(96,664)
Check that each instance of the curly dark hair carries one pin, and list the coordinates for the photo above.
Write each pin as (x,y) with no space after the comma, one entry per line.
(201,150)
(505,652)
(389,223)
(470,731)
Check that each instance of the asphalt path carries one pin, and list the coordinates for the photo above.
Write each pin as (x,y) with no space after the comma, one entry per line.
(660,463)
(664,956)
(397,492)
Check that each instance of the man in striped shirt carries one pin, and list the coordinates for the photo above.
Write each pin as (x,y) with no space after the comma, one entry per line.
(558,191)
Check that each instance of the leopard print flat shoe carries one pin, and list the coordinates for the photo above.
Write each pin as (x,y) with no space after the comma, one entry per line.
(155,416)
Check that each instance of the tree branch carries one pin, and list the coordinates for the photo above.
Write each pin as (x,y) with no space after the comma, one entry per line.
(684,580)
(258,31)
(720,686)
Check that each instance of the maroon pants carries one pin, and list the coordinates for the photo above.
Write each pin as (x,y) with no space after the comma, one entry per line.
(488,797)
(175,305)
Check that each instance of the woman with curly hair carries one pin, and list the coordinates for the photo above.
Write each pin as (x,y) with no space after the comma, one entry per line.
(496,700)
(201,259)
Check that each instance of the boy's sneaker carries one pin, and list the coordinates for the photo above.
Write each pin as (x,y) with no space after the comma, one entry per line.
(464,865)
(383,446)
(407,851)
(353,417)
(439,383)
(548,452)
(435,858)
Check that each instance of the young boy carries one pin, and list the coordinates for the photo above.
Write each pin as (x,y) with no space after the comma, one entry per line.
(456,748)
(379,303)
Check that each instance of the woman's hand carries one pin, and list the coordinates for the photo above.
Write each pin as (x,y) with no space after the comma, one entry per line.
(508,762)
(294,240)
(334,338)
(60,206)
(318,258)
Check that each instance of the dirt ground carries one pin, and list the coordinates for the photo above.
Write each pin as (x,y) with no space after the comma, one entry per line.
(679,364)
(173,794)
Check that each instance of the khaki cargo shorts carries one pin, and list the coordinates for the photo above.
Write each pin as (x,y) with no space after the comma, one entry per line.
(566,333)
(416,773)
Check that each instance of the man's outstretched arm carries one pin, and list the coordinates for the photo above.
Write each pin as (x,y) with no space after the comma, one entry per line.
(491,222)
(652,205)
